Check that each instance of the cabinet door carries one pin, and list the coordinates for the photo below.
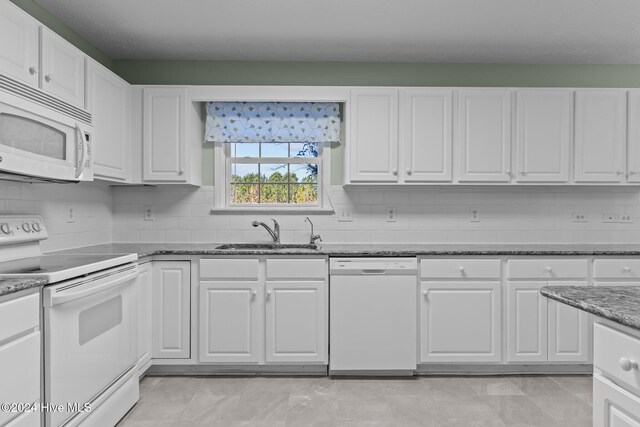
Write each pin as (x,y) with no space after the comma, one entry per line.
(543,135)
(63,68)
(18,44)
(171,309)
(600,135)
(460,322)
(164,140)
(144,316)
(230,326)
(296,322)
(108,100)
(374,135)
(633,141)
(484,135)
(427,135)
(613,406)
(526,322)
(569,331)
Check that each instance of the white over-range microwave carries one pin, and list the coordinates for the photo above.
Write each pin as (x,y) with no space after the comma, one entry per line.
(40,144)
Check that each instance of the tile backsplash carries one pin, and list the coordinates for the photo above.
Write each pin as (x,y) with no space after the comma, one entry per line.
(424,214)
(92,206)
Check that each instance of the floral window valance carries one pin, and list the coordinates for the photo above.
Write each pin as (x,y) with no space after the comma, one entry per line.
(273,122)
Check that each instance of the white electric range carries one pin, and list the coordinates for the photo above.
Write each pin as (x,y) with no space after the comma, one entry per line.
(90,324)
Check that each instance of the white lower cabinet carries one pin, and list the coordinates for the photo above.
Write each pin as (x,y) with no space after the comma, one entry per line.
(296,321)
(273,314)
(229,322)
(460,322)
(526,322)
(171,290)
(569,332)
(613,406)
(20,357)
(144,317)
(616,383)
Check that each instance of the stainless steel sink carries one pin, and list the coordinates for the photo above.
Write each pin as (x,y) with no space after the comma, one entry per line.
(265,246)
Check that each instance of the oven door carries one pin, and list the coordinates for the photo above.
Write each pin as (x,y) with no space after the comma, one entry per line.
(40,143)
(90,338)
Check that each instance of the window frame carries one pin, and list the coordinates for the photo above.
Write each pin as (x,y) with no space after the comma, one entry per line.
(222,180)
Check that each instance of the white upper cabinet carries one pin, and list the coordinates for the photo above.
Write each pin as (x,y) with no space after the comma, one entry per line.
(164,134)
(374,135)
(543,135)
(63,68)
(18,44)
(109,101)
(427,135)
(633,141)
(600,135)
(484,135)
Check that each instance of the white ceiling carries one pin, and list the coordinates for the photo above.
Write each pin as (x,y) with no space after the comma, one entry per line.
(439,31)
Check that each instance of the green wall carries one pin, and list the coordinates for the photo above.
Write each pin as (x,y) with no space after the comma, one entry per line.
(44,16)
(375,74)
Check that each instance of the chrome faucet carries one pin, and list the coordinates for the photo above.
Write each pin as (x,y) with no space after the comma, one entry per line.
(313,237)
(275,232)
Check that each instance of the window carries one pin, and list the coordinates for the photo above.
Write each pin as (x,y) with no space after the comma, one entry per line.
(269,155)
(273,173)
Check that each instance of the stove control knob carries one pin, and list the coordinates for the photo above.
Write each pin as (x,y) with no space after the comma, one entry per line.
(5,228)
(26,227)
(36,227)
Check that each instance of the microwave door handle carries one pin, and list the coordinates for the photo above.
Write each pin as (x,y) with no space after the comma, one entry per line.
(85,291)
(83,145)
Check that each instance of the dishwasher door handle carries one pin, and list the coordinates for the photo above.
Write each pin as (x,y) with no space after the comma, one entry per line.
(373,271)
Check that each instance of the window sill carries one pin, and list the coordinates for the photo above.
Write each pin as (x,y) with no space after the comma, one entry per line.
(285,211)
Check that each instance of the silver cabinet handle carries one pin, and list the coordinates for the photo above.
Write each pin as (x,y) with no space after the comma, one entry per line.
(395,171)
(409,172)
(548,269)
(49,77)
(626,269)
(254,293)
(461,268)
(181,172)
(33,70)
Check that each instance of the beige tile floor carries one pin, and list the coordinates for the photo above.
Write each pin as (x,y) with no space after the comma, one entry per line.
(549,401)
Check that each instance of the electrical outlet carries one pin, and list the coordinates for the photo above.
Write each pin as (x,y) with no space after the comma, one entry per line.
(148,213)
(344,215)
(579,217)
(391,214)
(71,214)
(475,215)
(626,218)
(610,217)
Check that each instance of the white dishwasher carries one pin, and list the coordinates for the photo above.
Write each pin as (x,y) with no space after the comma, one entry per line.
(373,316)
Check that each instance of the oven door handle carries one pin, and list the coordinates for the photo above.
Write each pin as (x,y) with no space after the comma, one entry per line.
(85,291)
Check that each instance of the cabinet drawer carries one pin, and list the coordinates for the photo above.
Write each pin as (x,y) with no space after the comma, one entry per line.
(611,349)
(228,268)
(296,269)
(616,268)
(20,367)
(19,315)
(460,268)
(549,269)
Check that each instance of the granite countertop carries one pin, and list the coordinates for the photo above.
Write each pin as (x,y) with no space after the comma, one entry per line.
(620,304)
(17,284)
(151,249)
